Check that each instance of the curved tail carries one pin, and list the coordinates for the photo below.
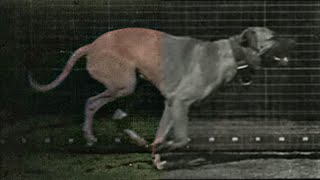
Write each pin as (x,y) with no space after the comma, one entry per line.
(67,69)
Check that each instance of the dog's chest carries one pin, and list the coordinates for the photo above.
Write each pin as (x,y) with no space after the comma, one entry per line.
(205,68)
(178,56)
(218,65)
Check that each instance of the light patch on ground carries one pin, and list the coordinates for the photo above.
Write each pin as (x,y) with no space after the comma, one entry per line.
(254,168)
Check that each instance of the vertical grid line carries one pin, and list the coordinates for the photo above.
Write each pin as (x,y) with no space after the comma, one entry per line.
(31,25)
(185,17)
(264,13)
(265,71)
(73,22)
(108,13)
(266,95)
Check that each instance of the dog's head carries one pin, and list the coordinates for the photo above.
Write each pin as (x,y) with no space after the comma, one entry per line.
(263,48)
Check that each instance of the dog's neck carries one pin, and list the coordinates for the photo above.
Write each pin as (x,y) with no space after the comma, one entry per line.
(243,67)
(238,53)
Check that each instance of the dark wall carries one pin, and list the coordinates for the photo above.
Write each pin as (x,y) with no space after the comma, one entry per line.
(41,35)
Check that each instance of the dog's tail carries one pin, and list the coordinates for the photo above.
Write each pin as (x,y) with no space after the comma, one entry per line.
(67,69)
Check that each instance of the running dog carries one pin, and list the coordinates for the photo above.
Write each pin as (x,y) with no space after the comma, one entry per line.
(184,69)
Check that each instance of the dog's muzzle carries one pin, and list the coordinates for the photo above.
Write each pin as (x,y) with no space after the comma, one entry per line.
(278,53)
(281,61)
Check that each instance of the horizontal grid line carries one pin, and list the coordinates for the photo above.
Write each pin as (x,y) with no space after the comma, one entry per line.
(284,35)
(275,84)
(293,57)
(271,111)
(48,19)
(315,46)
(307,51)
(237,5)
(296,68)
(198,35)
(286,76)
(269,100)
(183,11)
(232,27)
(61,36)
(257,9)
(191,11)
(232,12)
(216,3)
(282,68)
(228,92)
(269,93)
(239,113)
(283,84)
(239,94)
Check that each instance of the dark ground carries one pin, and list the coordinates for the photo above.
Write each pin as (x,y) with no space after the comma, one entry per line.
(60,160)
(138,166)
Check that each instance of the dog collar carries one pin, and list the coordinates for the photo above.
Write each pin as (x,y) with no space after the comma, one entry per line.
(238,54)
(243,68)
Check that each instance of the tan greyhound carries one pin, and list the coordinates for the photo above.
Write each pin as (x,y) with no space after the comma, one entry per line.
(184,69)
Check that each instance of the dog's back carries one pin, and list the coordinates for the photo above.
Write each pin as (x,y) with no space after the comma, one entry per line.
(116,55)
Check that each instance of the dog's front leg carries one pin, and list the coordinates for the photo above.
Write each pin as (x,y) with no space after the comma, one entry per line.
(179,114)
(175,116)
(164,128)
(161,135)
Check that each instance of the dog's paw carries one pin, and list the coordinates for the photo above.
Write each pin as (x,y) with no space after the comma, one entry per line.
(91,140)
(160,165)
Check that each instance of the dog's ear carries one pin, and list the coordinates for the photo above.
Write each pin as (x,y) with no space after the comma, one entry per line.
(248,38)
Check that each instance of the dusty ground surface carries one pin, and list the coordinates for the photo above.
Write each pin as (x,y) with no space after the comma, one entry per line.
(35,159)
(249,169)
(40,165)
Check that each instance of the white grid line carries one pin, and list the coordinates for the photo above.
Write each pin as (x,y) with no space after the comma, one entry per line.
(212,3)
(235,12)
(192,20)
(216,4)
(232,27)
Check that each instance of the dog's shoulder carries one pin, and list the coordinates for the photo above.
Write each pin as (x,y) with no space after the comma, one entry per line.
(180,47)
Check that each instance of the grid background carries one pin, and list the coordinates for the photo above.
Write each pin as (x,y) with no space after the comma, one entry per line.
(54,28)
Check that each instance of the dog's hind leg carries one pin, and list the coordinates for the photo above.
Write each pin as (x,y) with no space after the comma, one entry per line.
(124,86)
(93,104)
